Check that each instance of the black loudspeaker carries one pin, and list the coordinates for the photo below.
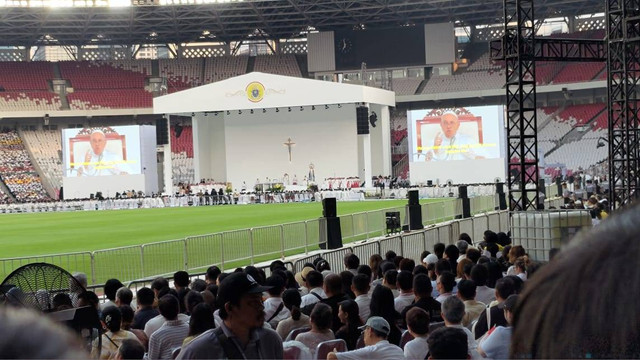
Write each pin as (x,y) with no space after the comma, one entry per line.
(415,217)
(329,209)
(331,227)
(392,221)
(429,183)
(162,132)
(413,197)
(466,203)
(502,199)
(362,118)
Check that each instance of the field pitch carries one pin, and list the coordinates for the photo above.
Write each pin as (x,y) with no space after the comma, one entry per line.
(62,232)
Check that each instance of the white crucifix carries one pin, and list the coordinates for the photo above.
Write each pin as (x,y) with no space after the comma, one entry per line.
(289,144)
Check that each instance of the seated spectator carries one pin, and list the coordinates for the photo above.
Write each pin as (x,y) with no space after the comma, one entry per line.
(27,334)
(376,331)
(242,312)
(111,286)
(438,250)
(274,309)
(145,312)
(445,283)
(448,343)
(77,288)
(200,321)
(496,344)
(515,252)
(452,313)
(351,263)
(320,321)
(451,253)
(130,349)
(504,288)
(301,279)
(333,289)
(472,308)
(382,305)
(198,285)
(127,319)
(479,275)
(424,301)
(181,280)
(406,297)
(172,333)
(349,314)
(192,299)
(212,275)
(291,299)
(61,301)
(360,288)
(390,281)
(462,249)
(460,270)
(418,326)
(155,323)
(347,279)
(112,339)
(520,268)
(314,282)
(375,261)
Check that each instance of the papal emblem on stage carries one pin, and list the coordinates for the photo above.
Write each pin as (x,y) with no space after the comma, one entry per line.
(255,91)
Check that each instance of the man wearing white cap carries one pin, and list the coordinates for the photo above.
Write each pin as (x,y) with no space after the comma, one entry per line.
(376,331)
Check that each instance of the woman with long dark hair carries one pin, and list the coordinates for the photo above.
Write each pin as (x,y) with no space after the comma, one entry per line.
(291,299)
(383,305)
(349,315)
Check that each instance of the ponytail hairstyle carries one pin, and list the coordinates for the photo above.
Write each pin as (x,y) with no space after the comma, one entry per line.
(292,300)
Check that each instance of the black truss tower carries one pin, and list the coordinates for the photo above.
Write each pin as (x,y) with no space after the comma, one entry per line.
(623,65)
(522,143)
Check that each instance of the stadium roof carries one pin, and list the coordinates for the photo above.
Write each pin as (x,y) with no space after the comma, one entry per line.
(233,21)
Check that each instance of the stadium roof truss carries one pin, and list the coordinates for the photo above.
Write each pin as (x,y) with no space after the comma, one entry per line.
(234,21)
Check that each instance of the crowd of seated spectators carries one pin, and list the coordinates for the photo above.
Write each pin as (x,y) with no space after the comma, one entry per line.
(454,299)
(17,171)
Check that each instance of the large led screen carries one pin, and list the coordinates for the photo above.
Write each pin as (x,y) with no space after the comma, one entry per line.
(101,151)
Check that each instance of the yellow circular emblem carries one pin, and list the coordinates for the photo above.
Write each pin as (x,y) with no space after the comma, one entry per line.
(255,91)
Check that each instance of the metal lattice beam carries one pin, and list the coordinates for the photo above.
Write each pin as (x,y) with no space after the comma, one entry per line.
(522,142)
(623,65)
(578,50)
(279,19)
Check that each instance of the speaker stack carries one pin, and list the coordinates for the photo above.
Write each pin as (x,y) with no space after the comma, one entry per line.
(162,131)
(415,211)
(330,232)
(466,203)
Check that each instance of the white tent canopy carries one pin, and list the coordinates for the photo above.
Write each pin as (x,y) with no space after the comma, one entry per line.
(236,145)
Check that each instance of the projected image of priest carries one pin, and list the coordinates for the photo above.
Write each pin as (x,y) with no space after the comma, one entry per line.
(98,161)
(450,144)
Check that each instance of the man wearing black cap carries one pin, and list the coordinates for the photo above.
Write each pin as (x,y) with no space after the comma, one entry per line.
(375,334)
(241,334)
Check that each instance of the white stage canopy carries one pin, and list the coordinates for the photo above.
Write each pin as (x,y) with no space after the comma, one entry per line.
(241,127)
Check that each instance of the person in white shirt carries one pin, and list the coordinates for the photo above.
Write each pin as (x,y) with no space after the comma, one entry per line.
(452,313)
(375,335)
(301,279)
(445,284)
(390,280)
(479,275)
(418,326)
(406,297)
(520,268)
(314,280)
(496,345)
(360,287)
(274,309)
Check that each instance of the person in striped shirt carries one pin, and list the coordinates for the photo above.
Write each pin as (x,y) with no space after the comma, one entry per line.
(171,334)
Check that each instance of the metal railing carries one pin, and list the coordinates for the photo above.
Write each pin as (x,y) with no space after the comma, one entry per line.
(236,248)
(411,245)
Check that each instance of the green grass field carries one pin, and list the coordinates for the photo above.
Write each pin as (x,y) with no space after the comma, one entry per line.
(54,233)
(37,234)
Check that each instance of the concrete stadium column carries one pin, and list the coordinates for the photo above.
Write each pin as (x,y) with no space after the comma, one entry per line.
(364,159)
(384,122)
(168,168)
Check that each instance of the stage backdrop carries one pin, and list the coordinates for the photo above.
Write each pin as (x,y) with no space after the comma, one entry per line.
(246,147)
